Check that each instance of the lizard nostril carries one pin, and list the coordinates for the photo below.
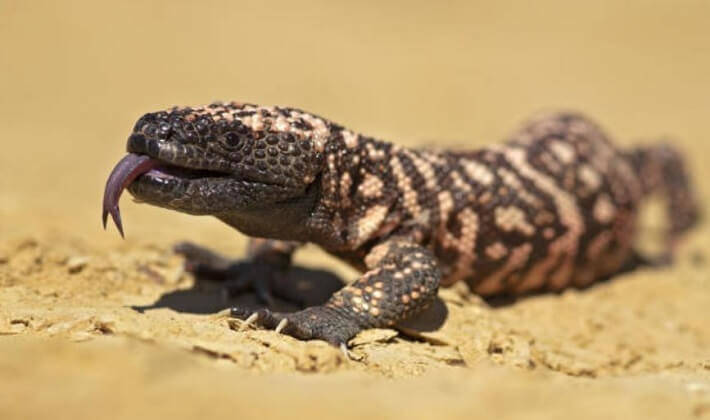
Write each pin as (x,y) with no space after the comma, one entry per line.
(164,129)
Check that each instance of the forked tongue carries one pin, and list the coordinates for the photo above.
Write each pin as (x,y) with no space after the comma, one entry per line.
(127,169)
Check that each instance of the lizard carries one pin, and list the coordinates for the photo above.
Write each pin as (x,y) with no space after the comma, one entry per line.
(553,206)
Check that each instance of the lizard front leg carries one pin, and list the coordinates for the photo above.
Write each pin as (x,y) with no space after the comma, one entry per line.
(266,259)
(402,280)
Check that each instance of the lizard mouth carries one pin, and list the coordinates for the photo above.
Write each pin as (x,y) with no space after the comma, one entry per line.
(154,172)
(170,175)
(193,180)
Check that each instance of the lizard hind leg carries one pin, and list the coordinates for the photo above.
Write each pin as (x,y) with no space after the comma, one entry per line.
(402,280)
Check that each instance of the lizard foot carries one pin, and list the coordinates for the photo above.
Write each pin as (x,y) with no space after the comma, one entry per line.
(236,276)
(317,322)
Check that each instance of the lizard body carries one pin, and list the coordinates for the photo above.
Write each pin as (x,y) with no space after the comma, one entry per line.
(553,206)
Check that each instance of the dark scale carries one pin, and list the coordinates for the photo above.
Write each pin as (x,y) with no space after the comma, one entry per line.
(554,206)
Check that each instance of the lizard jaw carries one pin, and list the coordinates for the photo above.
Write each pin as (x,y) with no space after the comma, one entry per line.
(134,166)
(188,190)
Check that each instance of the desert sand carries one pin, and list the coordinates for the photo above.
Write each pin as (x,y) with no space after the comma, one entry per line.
(92,326)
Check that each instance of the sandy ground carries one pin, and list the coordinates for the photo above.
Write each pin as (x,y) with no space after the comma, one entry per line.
(95,327)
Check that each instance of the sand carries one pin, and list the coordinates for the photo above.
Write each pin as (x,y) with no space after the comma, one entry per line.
(92,326)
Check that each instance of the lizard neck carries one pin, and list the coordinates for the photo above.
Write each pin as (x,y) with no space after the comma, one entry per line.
(359,194)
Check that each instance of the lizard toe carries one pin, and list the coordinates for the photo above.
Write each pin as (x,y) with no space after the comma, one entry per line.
(315,323)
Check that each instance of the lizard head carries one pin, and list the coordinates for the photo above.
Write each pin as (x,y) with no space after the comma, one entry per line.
(253,167)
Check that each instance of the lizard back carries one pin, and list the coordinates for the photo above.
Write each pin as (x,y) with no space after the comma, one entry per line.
(554,206)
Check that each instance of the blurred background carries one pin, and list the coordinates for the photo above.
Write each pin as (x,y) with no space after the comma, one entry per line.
(75,75)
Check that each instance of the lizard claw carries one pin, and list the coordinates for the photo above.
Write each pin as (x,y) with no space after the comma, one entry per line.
(346,352)
(282,324)
(251,320)
(262,317)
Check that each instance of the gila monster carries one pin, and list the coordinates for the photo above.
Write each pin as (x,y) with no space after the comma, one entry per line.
(552,207)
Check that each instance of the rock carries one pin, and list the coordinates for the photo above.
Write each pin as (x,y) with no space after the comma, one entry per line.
(77,264)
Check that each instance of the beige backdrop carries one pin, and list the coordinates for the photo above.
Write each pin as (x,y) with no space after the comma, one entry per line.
(75,75)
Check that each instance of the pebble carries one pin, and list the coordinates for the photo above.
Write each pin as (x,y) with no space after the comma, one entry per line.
(76,264)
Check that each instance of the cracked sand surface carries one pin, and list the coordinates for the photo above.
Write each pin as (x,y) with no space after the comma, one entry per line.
(68,321)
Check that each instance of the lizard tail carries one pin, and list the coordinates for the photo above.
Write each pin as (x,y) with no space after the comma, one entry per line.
(662,170)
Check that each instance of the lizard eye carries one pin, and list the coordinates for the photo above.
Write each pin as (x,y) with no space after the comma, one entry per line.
(233,140)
